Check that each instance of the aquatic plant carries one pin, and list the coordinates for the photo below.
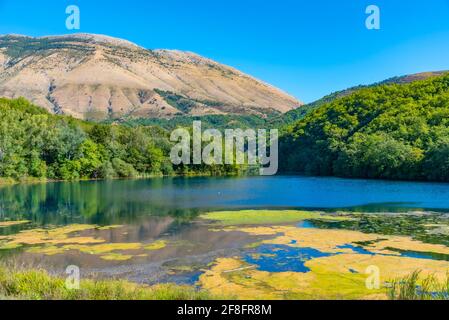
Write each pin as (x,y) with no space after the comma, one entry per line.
(157,245)
(340,274)
(50,237)
(58,240)
(415,287)
(253,217)
(6,224)
(234,276)
(430,228)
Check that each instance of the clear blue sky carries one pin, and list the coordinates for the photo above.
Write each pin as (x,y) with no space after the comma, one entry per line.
(307,48)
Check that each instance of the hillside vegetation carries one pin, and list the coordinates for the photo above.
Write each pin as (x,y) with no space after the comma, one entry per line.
(299,113)
(389,131)
(34,143)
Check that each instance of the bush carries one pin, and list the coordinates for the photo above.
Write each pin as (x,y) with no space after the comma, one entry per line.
(107,171)
(123,169)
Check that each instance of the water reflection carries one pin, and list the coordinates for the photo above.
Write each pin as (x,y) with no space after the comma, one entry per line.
(129,201)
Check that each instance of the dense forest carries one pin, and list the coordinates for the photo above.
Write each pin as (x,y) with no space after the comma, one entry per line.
(389,131)
(219,122)
(36,144)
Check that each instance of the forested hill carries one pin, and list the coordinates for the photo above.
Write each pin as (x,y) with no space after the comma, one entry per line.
(299,113)
(389,131)
(37,144)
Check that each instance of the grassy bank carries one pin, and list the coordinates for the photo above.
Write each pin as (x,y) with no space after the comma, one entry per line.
(39,285)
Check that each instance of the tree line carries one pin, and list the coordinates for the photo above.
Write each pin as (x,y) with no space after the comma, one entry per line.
(35,143)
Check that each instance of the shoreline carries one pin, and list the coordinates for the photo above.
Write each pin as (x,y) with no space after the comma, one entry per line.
(5,182)
(30,180)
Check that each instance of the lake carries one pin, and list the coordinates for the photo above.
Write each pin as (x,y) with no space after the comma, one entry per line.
(149,231)
(125,201)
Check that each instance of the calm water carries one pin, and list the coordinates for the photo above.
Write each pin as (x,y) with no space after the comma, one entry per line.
(126,201)
(165,209)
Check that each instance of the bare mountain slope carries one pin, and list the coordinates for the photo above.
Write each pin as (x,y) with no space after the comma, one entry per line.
(99,77)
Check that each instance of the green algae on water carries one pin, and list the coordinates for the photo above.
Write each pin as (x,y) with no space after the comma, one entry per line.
(255,217)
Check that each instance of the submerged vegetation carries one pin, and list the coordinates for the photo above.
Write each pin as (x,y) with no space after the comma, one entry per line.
(84,239)
(296,262)
(430,228)
(285,254)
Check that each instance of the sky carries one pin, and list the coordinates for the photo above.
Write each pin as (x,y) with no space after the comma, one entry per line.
(306,48)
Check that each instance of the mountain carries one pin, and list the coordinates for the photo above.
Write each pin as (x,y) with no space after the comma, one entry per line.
(389,132)
(299,113)
(98,77)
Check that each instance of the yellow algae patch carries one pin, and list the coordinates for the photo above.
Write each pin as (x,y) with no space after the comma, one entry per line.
(258,231)
(328,241)
(230,276)
(253,245)
(320,239)
(104,248)
(59,240)
(48,250)
(408,244)
(51,236)
(255,217)
(157,245)
(323,240)
(390,267)
(6,224)
(98,249)
(342,276)
(116,257)
(109,227)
